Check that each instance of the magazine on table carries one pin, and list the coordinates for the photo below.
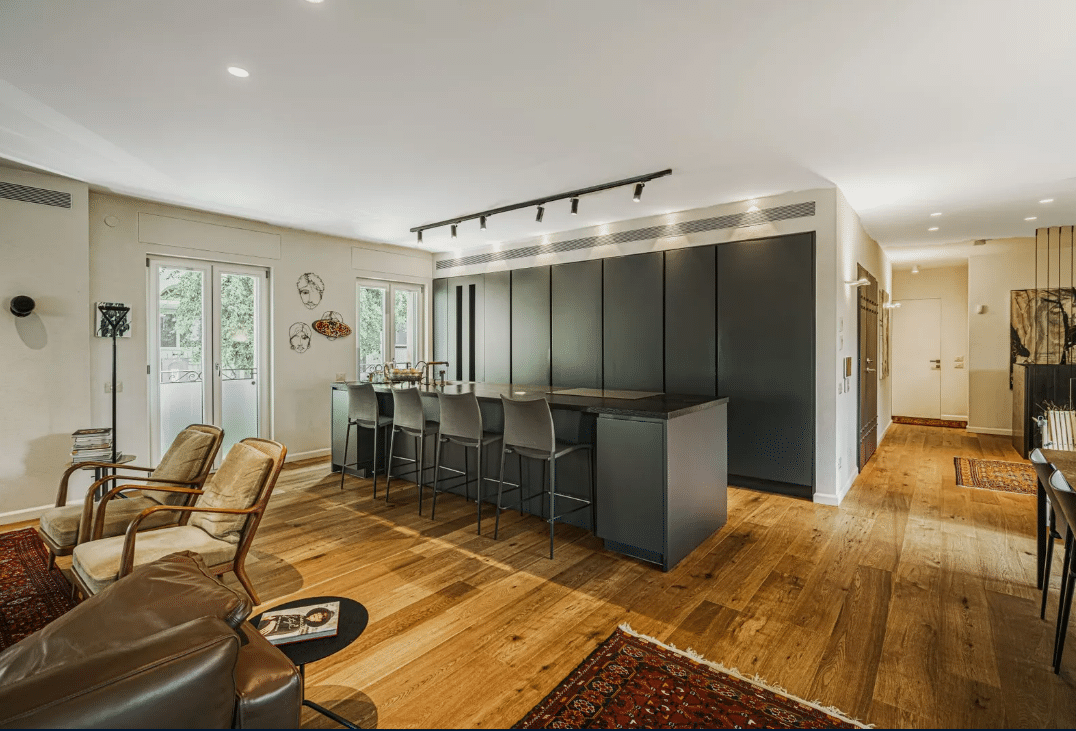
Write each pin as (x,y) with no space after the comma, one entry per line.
(308,622)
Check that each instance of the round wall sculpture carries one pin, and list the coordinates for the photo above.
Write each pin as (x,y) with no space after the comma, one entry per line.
(332,326)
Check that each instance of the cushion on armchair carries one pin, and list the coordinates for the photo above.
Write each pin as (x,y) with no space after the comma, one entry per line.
(182,462)
(236,484)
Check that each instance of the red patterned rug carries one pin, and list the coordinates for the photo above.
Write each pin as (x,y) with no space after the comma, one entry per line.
(633,681)
(917,421)
(31,596)
(990,474)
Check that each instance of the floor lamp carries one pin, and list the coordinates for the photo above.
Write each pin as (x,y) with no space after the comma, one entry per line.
(115,320)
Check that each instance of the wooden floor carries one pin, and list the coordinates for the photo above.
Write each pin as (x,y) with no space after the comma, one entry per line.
(913,604)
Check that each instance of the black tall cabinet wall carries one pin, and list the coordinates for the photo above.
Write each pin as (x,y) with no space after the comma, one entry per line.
(765,360)
(530,326)
(577,324)
(497,328)
(633,338)
(691,321)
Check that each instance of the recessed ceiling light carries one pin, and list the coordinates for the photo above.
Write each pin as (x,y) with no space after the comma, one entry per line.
(936,214)
(932,228)
(1047,200)
(236,71)
(1031,218)
(314,1)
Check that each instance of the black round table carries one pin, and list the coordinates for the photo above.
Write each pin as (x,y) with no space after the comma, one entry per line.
(352,623)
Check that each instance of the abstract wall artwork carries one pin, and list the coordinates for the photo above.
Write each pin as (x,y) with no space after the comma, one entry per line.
(887,320)
(332,326)
(1042,327)
(299,337)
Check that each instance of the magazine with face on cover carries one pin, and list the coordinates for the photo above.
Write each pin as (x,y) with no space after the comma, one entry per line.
(308,622)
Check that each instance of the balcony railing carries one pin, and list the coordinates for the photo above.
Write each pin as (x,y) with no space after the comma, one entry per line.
(226,374)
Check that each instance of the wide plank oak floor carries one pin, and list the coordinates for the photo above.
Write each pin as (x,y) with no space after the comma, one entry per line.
(912,605)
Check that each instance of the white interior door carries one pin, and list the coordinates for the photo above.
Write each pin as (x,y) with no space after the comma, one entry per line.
(209,350)
(916,365)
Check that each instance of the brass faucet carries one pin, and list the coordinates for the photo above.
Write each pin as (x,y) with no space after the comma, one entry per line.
(428,367)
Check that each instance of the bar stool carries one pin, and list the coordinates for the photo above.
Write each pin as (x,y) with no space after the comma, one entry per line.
(529,432)
(461,423)
(362,412)
(1064,503)
(409,418)
(1055,524)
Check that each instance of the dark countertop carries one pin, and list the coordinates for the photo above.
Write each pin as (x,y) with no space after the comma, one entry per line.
(663,406)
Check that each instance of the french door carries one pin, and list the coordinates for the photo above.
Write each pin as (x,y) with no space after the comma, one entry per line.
(390,324)
(209,354)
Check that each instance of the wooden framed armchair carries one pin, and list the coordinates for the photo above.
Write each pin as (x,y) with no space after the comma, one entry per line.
(186,464)
(219,526)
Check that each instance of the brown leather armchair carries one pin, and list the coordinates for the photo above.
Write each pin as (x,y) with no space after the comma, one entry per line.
(167,646)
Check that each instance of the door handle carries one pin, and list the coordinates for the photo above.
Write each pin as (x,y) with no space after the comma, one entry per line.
(936,360)
(871,370)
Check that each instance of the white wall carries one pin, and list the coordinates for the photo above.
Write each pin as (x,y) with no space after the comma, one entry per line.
(852,247)
(44,358)
(300,393)
(840,243)
(1002,266)
(950,285)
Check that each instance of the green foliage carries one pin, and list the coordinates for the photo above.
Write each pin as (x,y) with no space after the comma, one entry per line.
(371,325)
(237,316)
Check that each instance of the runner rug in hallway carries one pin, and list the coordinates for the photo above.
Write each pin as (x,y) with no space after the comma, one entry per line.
(990,474)
(31,595)
(634,681)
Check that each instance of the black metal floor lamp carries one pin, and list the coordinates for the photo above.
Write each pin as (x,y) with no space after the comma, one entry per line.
(115,319)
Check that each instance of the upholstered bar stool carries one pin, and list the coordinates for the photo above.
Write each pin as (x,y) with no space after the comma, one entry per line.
(461,423)
(1055,524)
(529,432)
(409,418)
(362,412)
(1064,503)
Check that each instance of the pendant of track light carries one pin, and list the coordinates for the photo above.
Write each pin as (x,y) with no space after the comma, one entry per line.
(453,230)
(482,223)
(541,212)
(420,236)
(575,206)
(638,192)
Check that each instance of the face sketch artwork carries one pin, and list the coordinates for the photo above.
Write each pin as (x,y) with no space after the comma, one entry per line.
(311,288)
(299,337)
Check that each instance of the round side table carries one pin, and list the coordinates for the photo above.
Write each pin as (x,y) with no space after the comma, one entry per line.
(352,623)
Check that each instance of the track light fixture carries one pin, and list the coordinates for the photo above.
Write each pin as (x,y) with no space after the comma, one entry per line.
(541,203)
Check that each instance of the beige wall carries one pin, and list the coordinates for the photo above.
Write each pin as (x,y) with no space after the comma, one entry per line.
(299,396)
(44,358)
(950,285)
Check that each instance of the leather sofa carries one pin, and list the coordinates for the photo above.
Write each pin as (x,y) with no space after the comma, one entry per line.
(167,646)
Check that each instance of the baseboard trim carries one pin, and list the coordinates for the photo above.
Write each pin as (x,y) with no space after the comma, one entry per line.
(18,516)
(989,430)
(954,417)
(300,456)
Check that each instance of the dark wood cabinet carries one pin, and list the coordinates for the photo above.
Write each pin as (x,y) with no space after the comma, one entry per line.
(633,339)
(577,324)
(691,321)
(530,326)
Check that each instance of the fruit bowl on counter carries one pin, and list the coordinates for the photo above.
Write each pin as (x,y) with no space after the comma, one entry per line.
(403,375)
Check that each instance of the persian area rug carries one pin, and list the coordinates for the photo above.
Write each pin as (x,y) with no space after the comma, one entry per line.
(634,681)
(916,421)
(989,474)
(31,595)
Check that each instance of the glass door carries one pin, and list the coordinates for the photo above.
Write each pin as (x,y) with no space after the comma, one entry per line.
(390,324)
(208,341)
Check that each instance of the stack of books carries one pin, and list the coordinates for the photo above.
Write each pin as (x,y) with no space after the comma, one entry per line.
(91,445)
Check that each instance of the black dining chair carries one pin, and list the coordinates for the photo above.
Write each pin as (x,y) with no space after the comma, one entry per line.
(363,412)
(409,418)
(1055,524)
(461,424)
(1065,504)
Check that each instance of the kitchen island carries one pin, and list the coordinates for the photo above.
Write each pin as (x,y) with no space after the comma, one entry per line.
(661,460)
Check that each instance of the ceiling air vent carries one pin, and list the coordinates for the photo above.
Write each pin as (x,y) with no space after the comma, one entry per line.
(41,196)
(734,220)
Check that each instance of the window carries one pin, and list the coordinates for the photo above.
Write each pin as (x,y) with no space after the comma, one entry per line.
(389,324)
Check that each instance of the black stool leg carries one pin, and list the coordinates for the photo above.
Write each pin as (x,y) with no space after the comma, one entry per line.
(1044,577)
(436,477)
(520,463)
(420,446)
(1041,536)
(552,501)
(347,444)
(376,430)
(500,492)
(388,467)
(593,491)
(1064,605)
(478,469)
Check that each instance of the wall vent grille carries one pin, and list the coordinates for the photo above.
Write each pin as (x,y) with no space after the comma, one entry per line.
(734,220)
(41,196)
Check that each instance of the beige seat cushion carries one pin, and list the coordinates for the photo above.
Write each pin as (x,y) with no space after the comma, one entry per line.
(236,484)
(60,525)
(182,462)
(98,562)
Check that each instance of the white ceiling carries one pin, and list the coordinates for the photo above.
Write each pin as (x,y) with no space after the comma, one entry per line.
(364,119)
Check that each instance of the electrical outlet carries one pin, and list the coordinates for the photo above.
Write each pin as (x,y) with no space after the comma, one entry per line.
(119,387)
